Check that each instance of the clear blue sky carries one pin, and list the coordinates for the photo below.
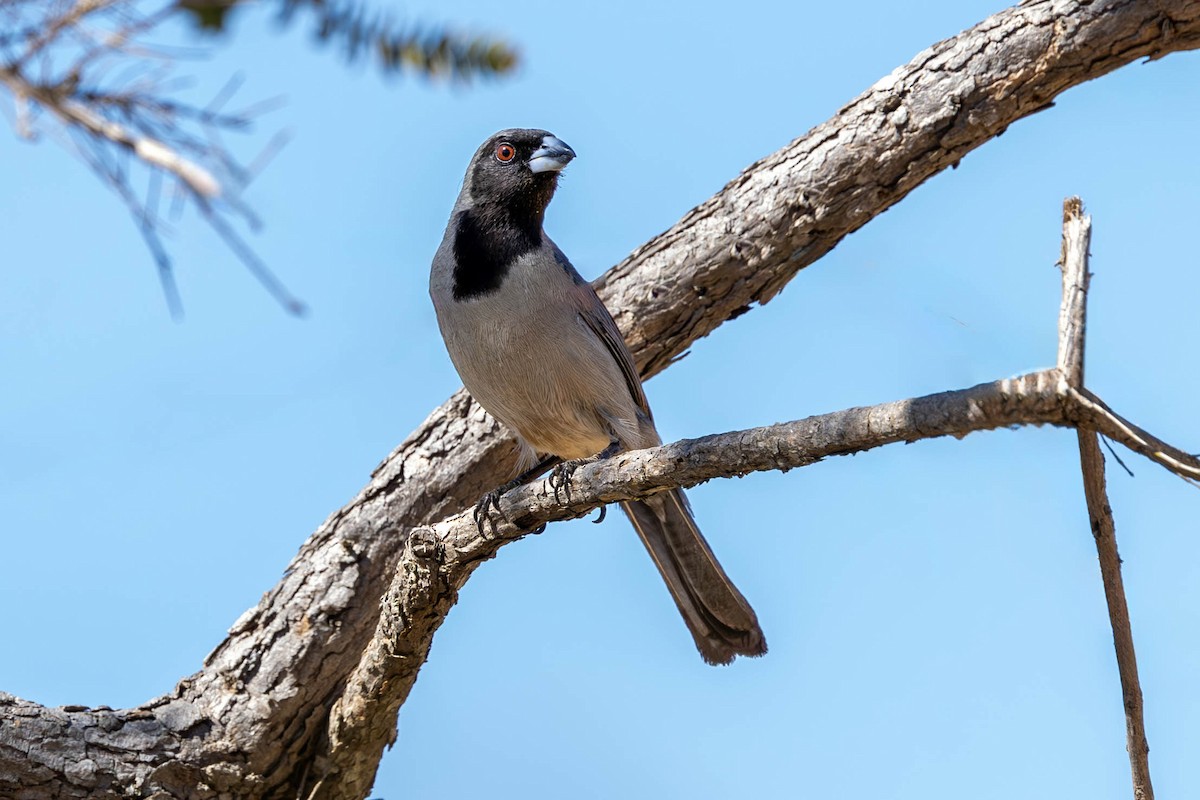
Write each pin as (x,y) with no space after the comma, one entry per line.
(935,614)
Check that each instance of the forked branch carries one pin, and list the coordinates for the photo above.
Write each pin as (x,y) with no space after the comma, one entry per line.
(440,558)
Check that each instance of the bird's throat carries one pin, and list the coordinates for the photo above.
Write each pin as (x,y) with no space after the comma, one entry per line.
(487,241)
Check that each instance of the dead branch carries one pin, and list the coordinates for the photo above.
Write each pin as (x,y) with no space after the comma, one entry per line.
(1104,530)
(1072,326)
(281,707)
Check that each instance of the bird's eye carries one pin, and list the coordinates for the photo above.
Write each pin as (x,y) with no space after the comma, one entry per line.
(505,152)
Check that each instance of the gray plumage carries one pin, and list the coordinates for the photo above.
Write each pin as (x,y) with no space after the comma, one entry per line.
(536,347)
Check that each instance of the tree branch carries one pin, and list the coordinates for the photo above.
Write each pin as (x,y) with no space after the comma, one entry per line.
(1077,230)
(259,719)
(1104,530)
(440,558)
(73,48)
(1072,313)
(783,213)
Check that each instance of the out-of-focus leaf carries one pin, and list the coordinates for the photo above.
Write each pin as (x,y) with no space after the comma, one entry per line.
(209,15)
(362,31)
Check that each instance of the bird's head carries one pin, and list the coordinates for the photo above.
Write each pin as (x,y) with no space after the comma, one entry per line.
(517,169)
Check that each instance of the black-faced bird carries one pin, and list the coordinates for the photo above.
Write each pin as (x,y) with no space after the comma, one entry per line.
(537,349)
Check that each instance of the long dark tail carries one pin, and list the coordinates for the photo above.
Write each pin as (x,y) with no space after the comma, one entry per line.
(720,619)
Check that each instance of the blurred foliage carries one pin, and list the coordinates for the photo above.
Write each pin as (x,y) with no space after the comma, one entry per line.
(362,31)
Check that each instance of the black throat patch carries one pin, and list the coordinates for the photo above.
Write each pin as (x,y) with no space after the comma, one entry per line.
(487,241)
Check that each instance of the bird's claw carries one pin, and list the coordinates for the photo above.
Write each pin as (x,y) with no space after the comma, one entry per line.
(560,479)
(560,476)
(482,511)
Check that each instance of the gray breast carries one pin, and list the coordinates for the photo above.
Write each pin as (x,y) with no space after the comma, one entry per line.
(527,357)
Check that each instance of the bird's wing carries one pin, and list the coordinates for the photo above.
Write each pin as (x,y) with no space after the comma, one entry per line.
(595,315)
(602,324)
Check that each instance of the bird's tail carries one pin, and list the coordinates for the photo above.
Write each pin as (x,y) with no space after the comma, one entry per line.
(720,619)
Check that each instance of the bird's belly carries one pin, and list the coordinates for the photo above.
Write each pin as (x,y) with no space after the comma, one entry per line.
(558,398)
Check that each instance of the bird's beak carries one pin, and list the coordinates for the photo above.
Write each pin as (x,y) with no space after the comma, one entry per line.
(552,156)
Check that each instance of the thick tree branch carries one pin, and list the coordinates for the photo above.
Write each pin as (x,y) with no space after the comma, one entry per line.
(785,212)
(256,721)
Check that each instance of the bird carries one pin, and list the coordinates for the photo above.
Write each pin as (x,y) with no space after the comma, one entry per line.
(537,349)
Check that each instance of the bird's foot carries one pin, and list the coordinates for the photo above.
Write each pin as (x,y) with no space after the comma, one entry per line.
(491,500)
(482,512)
(560,477)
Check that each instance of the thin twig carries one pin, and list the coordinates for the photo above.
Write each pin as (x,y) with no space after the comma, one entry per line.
(87,71)
(1072,314)
(1105,532)
(252,262)
(1092,410)
(153,152)
(1072,326)
(1112,451)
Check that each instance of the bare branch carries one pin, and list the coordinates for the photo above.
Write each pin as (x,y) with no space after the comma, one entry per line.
(155,153)
(741,247)
(1036,398)
(439,559)
(108,119)
(1107,422)
(1072,328)
(1104,530)
(1072,316)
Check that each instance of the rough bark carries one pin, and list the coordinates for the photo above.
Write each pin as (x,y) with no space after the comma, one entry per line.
(267,715)
(784,212)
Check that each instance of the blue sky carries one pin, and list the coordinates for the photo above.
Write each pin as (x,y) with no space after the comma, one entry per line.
(934,611)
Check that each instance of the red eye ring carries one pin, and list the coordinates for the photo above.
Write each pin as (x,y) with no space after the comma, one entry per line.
(505,152)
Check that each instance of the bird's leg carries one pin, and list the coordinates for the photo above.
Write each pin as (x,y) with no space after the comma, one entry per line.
(492,498)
